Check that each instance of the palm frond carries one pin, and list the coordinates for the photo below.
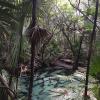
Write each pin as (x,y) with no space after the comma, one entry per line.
(38,35)
(7,4)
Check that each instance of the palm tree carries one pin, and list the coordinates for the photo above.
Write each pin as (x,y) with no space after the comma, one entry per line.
(32,48)
(6,20)
(37,37)
(13,16)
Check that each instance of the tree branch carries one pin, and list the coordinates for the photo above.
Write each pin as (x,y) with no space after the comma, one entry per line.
(83,14)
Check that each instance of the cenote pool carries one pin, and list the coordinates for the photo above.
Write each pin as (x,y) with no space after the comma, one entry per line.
(55,85)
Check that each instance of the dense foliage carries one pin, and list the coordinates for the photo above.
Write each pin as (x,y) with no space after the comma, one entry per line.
(63,29)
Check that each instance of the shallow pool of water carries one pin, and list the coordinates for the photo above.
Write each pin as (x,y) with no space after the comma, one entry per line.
(54,85)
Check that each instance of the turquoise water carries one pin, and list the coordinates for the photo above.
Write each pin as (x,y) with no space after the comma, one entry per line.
(54,85)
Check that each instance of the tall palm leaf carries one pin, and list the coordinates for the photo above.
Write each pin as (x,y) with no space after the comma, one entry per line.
(7,19)
(32,48)
(22,12)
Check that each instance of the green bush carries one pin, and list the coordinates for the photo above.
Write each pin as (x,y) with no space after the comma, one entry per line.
(96,91)
(95,65)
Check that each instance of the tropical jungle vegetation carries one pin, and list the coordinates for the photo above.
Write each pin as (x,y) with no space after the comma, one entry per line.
(48,46)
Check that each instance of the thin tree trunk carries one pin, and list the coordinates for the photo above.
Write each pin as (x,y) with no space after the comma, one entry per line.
(32,50)
(75,66)
(32,73)
(93,34)
(71,46)
(44,47)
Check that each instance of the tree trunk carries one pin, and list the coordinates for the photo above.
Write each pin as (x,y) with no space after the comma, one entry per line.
(71,46)
(32,50)
(93,34)
(75,66)
(32,74)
